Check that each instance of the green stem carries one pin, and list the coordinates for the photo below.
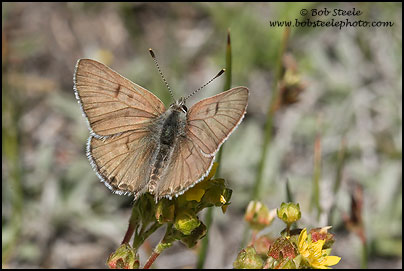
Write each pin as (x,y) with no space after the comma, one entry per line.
(165,243)
(268,126)
(364,258)
(11,152)
(131,227)
(144,234)
(270,115)
(289,194)
(317,176)
(209,213)
(338,177)
(288,225)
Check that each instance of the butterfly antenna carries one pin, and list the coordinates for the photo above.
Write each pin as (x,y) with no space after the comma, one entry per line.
(217,75)
(158,68)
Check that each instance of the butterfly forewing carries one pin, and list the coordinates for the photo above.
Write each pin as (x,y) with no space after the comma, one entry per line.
(112,103)
(212,120)
(209,123)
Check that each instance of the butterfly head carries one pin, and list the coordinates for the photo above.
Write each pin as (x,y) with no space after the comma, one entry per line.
(179,105)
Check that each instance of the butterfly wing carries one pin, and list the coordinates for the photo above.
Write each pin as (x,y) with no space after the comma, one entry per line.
(212,120)
(209,123)
(121,117)
(122,162)
(187,167)
(111,103)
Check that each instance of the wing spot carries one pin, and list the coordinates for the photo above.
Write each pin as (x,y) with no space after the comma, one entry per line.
(126,143)
(117,90)
(216,108)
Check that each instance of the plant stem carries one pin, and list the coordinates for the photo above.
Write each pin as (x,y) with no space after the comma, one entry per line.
(253,237)
(268,126)
(165,243)
(11,160)
(317,175)
(139,239)
(338,177)
(364,258)
(151,260)
(270,116)
(131,227)
(209,213)
(289,195)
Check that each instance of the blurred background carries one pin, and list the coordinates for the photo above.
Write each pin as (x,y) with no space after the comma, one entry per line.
(347,108)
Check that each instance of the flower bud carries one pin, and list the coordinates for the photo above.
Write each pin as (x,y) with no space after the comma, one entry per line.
(289,212)
(186,222)
(192,239)
(165,211)
(248,259)
(282,248)
(258,215)
(124,257)
(262,244)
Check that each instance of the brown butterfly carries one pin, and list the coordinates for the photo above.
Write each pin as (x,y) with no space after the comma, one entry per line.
(136,145)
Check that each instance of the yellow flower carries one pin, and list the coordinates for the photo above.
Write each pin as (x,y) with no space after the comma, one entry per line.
(197,192)
(314,254)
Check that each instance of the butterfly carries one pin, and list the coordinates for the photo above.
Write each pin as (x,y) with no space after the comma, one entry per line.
(136,145)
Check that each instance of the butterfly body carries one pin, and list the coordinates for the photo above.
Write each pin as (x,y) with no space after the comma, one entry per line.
(136,145)
(170,129)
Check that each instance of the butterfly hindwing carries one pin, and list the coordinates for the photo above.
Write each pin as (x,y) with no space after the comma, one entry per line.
(187,167)
(122,162)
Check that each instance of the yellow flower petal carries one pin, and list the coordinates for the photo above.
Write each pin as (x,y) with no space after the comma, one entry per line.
(302,243)
(303,236)
(212,171)
(222,199)
(317,247)
(194,194)
(331,260)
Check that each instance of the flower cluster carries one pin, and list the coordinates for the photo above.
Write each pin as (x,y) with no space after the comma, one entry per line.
(293,249)
(179,215)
